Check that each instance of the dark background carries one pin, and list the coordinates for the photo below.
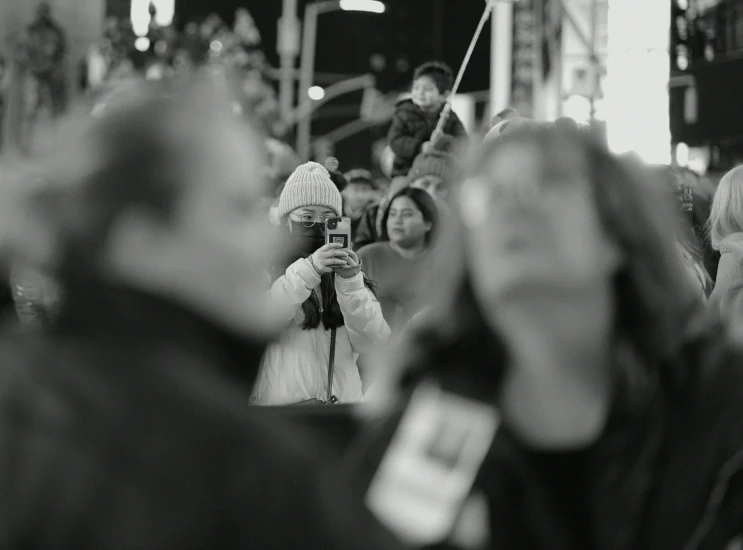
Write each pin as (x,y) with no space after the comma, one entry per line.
(409,33)
(711,42)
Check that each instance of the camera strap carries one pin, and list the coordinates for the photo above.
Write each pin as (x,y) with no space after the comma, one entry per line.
(332,399)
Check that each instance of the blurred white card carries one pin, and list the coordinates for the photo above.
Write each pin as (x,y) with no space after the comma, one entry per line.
(429,469)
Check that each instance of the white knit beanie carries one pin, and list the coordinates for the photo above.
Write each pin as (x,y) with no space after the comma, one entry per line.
(310,185)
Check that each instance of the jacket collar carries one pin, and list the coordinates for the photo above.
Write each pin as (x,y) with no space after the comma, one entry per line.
(124,316)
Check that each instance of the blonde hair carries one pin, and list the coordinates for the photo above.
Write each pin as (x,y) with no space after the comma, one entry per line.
(726,215)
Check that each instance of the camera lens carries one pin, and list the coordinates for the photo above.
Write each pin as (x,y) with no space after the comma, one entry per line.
(332,224)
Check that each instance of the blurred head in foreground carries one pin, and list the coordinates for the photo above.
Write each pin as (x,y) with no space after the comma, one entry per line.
(567,258)
(161,192)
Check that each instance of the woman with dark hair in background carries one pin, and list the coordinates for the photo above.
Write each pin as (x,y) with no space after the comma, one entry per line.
(575,338)
(400,264)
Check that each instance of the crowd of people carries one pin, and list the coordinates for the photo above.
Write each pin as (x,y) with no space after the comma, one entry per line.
(540,340)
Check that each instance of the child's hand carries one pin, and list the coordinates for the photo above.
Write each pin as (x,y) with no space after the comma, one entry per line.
(427,147)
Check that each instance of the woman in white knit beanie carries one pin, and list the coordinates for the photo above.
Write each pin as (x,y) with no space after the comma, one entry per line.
(324,298)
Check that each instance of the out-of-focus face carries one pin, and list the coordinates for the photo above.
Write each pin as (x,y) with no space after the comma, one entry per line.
(542,269)
(215,250)
(426,94)
(434,186)
(228,211)
(533,237)
(356,197)
(406,225)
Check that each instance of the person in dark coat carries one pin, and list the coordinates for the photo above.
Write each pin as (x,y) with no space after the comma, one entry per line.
(416,118)
(566,323)
(369,228)
(126,424)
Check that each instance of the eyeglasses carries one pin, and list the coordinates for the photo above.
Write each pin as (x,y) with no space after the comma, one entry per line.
(308,220)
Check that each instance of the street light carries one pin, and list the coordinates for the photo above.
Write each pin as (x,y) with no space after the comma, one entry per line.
(372,6)
(309,42)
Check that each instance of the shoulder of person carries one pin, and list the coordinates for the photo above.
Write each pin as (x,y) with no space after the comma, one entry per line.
(730,266)
(372,252)
(406,108)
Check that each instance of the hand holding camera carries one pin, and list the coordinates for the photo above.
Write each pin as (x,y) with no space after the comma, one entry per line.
(353,266)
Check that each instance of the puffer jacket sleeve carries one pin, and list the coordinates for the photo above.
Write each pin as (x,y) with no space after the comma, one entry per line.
(362,314)
(402,143)
(292,289)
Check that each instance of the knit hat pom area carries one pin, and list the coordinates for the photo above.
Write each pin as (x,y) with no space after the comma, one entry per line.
(310,185)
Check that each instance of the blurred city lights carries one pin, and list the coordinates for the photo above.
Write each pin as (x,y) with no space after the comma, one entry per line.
(373,6)
(140,14)
(316,93)
(142,43)
(682,154)
(215,46)
(637,116)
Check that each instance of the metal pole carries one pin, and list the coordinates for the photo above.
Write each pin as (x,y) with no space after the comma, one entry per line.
(447,107)
(594,62)
(309,41)
(501,47)
(288,28)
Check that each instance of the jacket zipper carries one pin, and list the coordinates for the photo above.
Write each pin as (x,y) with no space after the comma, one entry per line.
(731,467)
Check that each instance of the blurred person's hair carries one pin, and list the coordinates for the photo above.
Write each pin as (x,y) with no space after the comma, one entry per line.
(360,176)
(673,183)
(143,153)
(726,216)
(439,72)
(424,202)
(653,304)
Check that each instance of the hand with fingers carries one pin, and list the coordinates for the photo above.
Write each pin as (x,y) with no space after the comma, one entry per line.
(352,268)
(329,258)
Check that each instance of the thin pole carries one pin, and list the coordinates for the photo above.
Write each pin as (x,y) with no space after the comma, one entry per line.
(447,108)
(287,51)
(501,56)
(309,42)
(594,61)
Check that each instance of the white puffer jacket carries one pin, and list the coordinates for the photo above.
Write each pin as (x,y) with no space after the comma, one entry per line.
(295,368)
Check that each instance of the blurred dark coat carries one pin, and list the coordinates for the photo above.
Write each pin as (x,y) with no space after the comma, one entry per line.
(126,426)
(411,128)
(668,475)
(366,230)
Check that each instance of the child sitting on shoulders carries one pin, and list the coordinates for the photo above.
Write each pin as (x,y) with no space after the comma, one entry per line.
(416,117)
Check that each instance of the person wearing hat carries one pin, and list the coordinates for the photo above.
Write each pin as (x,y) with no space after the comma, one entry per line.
(358,195)
(325,300)
(434,170)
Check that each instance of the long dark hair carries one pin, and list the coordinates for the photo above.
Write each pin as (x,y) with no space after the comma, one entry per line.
(425,204)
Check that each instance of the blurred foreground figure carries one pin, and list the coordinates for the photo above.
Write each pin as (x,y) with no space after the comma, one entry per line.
(126,424)
(568,395)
